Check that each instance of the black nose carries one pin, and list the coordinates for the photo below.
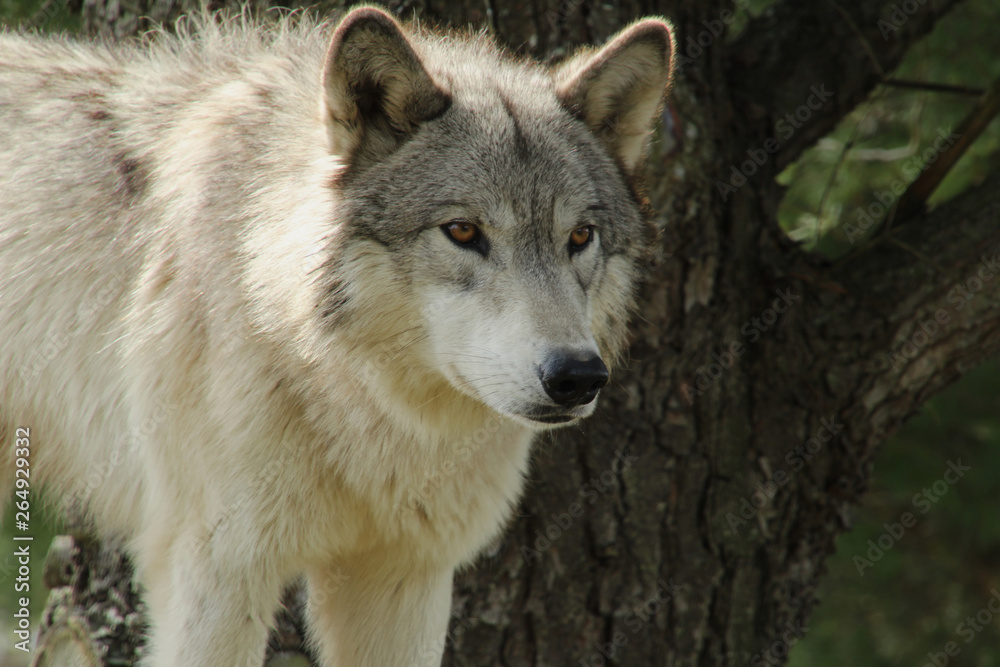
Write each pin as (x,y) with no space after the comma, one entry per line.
(571,381)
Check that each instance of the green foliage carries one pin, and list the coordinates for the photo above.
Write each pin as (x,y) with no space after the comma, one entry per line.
(889,134)
(907,606)
(43,526)
(42,15)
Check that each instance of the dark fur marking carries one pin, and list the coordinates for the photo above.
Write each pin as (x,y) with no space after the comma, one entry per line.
(335,299)
(335,303)
(468,283)
(94,102)
(132,176)
(520,141)
(444,203)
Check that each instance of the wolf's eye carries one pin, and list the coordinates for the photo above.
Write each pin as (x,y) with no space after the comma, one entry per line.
(580,237)
(466,234)
(461,232)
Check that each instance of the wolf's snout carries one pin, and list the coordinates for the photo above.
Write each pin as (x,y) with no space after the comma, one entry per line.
(571,381)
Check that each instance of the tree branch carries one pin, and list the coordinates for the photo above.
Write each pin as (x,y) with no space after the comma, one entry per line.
(933,87)
(915,197)
(922,303)
(848,45)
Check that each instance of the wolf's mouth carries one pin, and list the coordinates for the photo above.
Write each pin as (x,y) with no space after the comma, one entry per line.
(552,419)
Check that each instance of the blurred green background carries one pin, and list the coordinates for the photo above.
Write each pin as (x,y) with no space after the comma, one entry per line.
(906,606)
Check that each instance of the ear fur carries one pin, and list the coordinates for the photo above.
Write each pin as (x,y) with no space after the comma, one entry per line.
(376,91)
(617,90)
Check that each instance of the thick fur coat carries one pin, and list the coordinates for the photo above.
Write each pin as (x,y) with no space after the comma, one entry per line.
(292,299)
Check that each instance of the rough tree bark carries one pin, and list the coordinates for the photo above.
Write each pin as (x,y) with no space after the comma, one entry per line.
(674,560)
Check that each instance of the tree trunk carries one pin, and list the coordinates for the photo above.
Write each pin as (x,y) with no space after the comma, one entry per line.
(687,523)
(94,615)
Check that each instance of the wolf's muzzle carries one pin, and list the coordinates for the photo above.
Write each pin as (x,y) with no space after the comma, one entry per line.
(571,378)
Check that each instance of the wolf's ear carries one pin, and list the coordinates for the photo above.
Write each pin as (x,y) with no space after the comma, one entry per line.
(617,90)
(375,89)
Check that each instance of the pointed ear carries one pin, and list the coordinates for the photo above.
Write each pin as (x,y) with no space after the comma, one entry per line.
(617,90)
(376,91)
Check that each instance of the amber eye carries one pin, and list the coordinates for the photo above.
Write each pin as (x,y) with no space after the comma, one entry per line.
(461,231)
(466,235)
(580,237)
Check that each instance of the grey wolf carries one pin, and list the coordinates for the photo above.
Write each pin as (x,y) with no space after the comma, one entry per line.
(258,283)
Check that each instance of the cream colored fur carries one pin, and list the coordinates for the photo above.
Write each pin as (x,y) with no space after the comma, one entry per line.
(167,223)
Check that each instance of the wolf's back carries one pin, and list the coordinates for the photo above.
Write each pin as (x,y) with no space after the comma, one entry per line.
(64,264)
(123,193)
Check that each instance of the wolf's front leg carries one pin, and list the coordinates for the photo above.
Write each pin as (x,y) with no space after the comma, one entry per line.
(379,615)
(209,610)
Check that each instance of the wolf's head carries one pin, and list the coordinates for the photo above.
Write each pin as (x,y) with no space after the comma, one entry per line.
(487,206)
